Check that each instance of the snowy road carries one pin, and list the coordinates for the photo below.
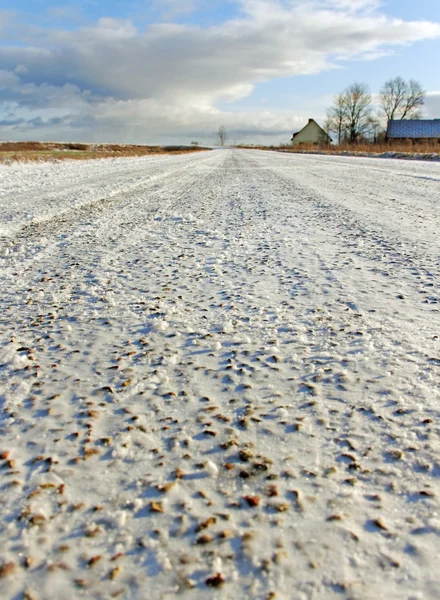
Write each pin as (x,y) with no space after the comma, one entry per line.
(220,378)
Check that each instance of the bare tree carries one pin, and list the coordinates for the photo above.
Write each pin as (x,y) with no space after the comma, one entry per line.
(350,114)
(414,101)
(335,121)
(357,101)
(375,129)
(401,99)
(222,135)
(392,96)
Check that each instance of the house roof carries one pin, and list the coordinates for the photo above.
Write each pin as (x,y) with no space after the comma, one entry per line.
(414,128)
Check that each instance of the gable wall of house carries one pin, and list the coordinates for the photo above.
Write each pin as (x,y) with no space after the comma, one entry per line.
(311,134)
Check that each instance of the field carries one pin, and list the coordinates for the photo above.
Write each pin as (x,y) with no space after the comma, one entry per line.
(54,151)
(220,378)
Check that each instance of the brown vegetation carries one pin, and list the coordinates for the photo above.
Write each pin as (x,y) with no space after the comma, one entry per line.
(54,151)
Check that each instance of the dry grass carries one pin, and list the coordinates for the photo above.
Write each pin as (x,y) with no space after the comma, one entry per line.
(54,151)
(418,148)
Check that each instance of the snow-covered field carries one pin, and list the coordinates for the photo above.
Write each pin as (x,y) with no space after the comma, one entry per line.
(220,378)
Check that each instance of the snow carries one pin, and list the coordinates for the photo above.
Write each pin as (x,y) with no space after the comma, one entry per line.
(220,378)
(418,156)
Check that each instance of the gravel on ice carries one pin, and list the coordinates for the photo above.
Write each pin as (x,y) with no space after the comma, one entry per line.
(220,378)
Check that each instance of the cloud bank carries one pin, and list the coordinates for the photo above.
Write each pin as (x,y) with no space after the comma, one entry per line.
(111,81)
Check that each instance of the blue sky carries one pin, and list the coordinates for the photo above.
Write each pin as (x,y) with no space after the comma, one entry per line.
(169,71)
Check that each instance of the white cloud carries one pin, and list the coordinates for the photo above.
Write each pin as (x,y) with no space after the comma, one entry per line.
(169,79)
(432,105)
(8,79)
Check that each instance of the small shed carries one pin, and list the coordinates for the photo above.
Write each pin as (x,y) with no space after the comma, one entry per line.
(415,130)
(312,134)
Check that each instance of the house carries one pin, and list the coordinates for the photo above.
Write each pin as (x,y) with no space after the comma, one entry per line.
(415,130)
(311,134)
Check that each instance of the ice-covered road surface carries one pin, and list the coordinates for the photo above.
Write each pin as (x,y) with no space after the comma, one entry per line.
(220,378)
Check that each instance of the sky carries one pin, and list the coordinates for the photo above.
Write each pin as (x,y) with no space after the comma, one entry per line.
(174,71)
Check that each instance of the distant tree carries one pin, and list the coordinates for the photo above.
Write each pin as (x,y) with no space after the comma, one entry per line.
(336,118)
(414,101)
(350,115)
(357,101)
(194,143)
(222,135)
(376,129)
(402,99)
